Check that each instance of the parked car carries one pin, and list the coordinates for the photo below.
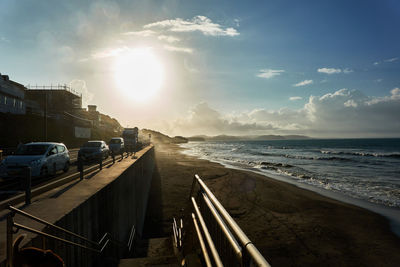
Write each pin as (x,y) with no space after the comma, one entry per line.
(93,150)
(117,145)
(42,157)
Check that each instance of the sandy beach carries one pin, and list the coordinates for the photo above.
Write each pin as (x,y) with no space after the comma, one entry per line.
(290,226)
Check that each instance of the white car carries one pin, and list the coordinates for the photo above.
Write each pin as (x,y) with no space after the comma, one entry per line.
(43,157)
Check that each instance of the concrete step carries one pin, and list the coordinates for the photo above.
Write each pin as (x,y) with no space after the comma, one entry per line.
(152,252)
(163,261)
(154,247)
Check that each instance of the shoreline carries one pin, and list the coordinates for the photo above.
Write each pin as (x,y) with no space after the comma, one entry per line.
(290,226)
(390,213)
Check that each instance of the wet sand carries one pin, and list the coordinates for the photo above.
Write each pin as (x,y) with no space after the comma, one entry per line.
(289,225)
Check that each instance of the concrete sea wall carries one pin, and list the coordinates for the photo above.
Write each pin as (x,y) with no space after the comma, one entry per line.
(110,204)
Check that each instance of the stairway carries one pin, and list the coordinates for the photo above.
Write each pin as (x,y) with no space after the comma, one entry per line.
(153,252)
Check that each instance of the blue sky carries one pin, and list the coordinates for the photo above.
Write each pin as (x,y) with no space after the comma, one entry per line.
(321,68)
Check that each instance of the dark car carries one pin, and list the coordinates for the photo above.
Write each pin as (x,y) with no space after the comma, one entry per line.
(94,150)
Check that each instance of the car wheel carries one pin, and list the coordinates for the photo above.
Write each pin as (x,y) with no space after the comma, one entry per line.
(66,166)
(44,172)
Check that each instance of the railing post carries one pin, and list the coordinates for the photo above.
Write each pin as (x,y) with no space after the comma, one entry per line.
(10,223)
(80,167)
(113,156)
(28,183)
(101,162)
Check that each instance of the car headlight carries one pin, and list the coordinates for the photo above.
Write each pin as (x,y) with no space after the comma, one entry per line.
(35,162)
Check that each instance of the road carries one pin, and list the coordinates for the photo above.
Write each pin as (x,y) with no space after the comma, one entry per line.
(12,186)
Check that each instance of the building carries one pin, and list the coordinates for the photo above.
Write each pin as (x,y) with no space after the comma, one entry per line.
(54,99)
(12,96)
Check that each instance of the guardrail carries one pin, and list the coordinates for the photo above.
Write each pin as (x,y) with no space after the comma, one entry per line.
(225,240)
(44,188)
(90,245)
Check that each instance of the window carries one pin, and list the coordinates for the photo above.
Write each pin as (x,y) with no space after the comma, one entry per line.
(60,149)
(20,104)
(5,100)
(53,151)
(14,102)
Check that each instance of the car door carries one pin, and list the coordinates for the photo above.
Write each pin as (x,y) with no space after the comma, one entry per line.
(51,159)
(61,159)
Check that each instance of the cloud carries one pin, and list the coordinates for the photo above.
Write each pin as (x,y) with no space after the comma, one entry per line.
(347,71)
(144,33)
(269,73)
(80,86)
(4,39)
(178,49)
(111,52)
(198,23)
(342,113)
(203,119)
(335,71)
(294,98)
(303,83)
(329,70)
(168,38)
(391,59)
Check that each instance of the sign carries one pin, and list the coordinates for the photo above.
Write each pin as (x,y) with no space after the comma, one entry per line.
(81,132)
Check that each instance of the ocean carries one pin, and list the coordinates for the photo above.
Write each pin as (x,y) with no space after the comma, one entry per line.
(366,170)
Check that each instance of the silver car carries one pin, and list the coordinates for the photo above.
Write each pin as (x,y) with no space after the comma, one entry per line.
(93,150)
(43,157)
(117,145)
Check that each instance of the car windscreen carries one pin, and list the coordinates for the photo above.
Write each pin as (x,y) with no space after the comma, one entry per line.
(115,141)
(32,150)
(92,144)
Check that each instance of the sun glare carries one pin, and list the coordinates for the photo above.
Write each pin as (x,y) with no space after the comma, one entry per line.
(139,74)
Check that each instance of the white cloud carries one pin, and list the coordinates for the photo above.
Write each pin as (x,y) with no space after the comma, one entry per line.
(269,73)
(111,52)
(335,71)
(376,63)
(178,49)
(294,98)
(168,38)
(303,83)
(80,86)
(4,39)
(391,59)
(202,119)
(343,113)
(198,23)
(144,33)
(329,70)
(347,71)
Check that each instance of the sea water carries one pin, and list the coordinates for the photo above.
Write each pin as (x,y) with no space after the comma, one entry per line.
(360,169)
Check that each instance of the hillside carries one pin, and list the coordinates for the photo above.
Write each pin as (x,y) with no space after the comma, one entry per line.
(157,137)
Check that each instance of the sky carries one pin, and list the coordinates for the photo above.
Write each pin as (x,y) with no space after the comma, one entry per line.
(319,68)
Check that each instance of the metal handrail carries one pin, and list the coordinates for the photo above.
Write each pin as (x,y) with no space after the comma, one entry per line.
(201,240)
(99,246)
(210,242)
(244,240)
(225,229)
(23,213)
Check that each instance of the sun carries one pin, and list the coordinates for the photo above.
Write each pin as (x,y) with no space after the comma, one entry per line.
(139,74)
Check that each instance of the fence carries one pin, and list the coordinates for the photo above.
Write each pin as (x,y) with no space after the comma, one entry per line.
(54,87)
(219,235)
